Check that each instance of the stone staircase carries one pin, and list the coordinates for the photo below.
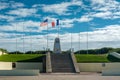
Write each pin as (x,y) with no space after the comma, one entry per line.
(62,63)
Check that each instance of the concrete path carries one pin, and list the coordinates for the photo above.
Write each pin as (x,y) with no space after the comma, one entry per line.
(82,76)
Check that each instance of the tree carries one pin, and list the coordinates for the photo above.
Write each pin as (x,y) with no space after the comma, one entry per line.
(3,50)
(16,52)
(29,52)
(96,51)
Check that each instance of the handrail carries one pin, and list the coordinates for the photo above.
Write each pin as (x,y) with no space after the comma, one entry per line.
(75,63)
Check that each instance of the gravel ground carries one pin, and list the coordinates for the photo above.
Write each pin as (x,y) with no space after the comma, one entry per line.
(58,76)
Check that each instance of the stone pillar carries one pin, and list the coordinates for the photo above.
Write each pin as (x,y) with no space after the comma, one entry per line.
(57,47)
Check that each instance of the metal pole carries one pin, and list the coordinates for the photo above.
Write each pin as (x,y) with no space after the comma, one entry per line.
(79,43)
(23,39)
(87,35)
(87,40)
(58,28)
(58,31)
(71,41)
(31,41)
(16,38)
(47,37)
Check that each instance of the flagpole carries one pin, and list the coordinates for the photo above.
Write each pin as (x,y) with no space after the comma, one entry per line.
(71,41)
(87,34)
(23,39)
(79,42)
(44,23)
(87,40)
(16,38)
(47,36)
(58,31)
(31,41)
(58,27)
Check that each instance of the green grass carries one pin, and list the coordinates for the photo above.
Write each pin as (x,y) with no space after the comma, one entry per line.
(20,57)
(90,58)
(81,58)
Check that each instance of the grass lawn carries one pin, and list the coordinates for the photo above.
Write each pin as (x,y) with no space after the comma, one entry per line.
(20,57)
(84,58)
(81,58)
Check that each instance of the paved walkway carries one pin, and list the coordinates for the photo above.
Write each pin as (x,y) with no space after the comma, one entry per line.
(82,76)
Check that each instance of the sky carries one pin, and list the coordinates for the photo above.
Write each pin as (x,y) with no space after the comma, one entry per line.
(84,24)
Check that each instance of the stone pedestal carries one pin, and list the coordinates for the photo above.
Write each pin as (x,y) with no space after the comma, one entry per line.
(57,47)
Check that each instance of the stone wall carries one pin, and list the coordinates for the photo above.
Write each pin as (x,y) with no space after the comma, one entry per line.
(21,65)
(19,72)
(90,67)
(97,67)
(29,65)
(5,65)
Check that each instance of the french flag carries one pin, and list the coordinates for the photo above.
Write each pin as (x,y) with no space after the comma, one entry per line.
(53,23)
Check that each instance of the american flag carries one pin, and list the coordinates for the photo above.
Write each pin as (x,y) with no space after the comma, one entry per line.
(44,23)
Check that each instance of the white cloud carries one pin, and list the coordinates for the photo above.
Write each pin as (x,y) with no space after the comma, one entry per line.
(84,19)
(107,9)
(10,4)
(109,33)
(70,22)
(3,5)
(16,5)
(117,13)
(60,8)
(6,17)
(104,15)
(23,12)
(26,25)
(67,23)
(100,9)
(99,37)
(30,41)
(98,1)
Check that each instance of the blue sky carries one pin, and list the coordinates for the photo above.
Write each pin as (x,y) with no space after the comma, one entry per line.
(96,21)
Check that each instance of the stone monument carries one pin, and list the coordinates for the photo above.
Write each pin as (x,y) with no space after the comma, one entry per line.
(57,48)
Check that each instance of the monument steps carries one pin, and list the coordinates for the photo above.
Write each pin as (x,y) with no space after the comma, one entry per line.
(62,63)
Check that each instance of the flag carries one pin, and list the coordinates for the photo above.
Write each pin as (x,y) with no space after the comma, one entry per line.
(57,22)
(44,23)
(53,24)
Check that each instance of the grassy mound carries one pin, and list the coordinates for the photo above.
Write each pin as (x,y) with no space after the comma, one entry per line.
(113,59)
(22,58)
(90,58)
